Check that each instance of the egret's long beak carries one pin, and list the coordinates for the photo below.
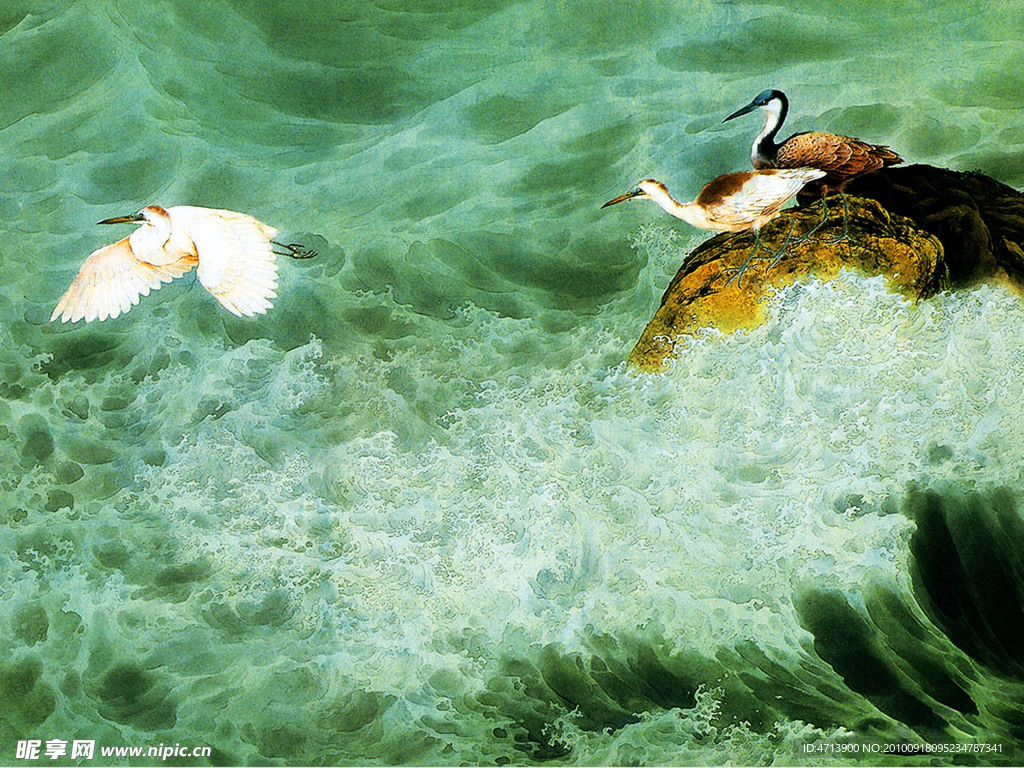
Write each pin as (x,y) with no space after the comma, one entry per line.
(628,196)
(749,108)
(122,219)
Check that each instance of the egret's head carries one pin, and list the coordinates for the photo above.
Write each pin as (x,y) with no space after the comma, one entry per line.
(150,214)
(771,100)
(648,189)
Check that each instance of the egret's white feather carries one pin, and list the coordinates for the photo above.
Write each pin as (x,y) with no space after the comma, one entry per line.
(237,263)
(763,195)
(111,281)
(234,253)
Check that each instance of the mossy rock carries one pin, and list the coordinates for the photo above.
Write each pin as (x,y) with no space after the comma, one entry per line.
(706,290)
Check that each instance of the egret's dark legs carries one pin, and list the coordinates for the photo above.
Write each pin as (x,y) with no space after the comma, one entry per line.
(738,276)
(819,225)
(785,246)
(758,245)
(294,250)
(846,216)
(824,218)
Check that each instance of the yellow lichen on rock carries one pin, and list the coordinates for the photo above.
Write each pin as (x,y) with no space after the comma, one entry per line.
(878,243)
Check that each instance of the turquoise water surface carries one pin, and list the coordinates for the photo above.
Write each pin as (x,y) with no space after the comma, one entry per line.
(421,512)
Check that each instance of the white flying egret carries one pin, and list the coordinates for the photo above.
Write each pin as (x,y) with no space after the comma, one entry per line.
(234,253)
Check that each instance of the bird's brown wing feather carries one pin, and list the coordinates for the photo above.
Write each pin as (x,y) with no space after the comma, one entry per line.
(842,157)
(111,281)
(739,200)
(721,188)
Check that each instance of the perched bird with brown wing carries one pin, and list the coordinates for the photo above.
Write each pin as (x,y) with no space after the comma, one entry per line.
(843,158)
(234,254)
(734,202)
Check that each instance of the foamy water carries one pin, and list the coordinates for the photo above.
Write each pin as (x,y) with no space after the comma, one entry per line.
(421,513)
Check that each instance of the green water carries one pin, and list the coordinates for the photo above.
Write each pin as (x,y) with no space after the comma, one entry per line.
(420,513)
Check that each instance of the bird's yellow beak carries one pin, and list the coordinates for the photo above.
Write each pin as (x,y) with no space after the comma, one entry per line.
(628,196)
(122,219)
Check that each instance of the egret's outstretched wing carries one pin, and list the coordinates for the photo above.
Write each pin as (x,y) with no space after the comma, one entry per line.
(760,196)
(111,281)
(237,263)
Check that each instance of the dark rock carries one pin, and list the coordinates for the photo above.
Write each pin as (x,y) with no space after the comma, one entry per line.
(978,220)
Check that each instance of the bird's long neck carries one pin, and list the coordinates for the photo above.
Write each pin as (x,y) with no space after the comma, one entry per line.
(764,149)
(691,213)
(149,239)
